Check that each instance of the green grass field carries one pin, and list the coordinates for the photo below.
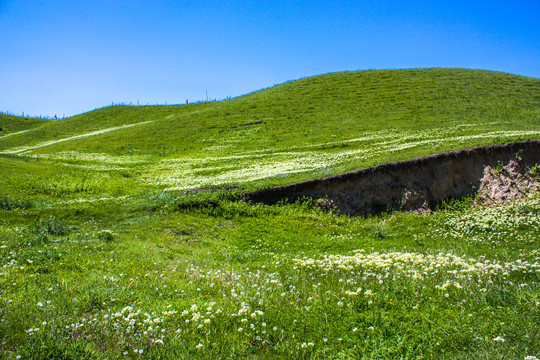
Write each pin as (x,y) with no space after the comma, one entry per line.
(106,254)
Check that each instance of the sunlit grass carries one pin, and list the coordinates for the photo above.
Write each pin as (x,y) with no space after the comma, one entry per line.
(105,253)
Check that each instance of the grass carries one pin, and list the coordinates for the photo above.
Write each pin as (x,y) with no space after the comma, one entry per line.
(10,124)
(105,254)
(296,131)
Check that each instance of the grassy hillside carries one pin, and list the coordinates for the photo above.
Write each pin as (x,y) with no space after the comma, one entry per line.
(104,255)
(303,129)
(11,124)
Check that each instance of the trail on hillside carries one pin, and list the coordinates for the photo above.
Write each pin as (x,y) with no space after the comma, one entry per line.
(15,133)
(48,143)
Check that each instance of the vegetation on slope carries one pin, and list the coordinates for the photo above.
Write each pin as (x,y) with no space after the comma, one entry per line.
(102,258)
(10,124)
(299,130)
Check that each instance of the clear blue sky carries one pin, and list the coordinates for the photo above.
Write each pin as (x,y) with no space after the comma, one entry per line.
(67,57)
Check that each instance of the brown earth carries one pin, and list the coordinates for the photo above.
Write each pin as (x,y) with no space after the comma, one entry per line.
(501,172)
(509,182)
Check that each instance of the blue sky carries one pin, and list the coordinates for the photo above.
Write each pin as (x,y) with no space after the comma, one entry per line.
(67,57)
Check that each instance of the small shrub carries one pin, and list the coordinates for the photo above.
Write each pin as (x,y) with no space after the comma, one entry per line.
(535,170)
(499,168)
(106,236)
(51,226)
(457,204)
(327,205)
(199,199)
(11,203)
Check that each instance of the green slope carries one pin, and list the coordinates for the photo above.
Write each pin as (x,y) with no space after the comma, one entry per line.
(302,129)
(10,124)
(99,262)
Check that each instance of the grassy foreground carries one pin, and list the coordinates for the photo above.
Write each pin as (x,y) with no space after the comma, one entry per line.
(233,280)
(105,255)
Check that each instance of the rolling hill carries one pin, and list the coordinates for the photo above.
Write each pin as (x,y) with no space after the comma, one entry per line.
(112,247)
(299,130)
(12,125)
(302,111)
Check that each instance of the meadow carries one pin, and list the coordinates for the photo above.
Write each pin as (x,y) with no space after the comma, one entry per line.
(107,252)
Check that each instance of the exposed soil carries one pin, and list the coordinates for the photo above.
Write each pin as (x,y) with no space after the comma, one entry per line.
(500,172)
(509,182)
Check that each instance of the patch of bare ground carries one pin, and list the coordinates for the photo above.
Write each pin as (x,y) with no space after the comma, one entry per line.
(508,183)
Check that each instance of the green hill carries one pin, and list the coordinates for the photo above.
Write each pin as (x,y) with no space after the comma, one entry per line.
(302,129)
(106,255)
(11,124)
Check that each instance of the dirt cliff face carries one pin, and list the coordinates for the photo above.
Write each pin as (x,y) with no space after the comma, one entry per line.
(408,185)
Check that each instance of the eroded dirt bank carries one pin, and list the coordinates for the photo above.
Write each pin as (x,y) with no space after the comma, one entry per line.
(408,185)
